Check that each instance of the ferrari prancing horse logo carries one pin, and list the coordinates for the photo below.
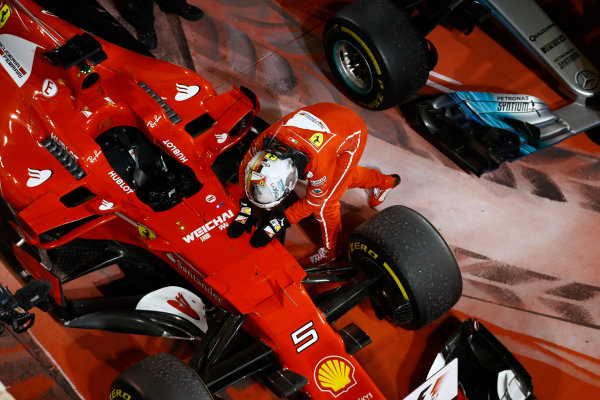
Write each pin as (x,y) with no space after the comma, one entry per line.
(4,14)
(145,232)
(317,139)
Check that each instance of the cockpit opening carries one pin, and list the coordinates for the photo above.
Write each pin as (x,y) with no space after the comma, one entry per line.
(158,180)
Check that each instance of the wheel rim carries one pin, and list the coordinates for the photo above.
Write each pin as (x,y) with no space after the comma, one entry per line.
(391,293)
(353,67)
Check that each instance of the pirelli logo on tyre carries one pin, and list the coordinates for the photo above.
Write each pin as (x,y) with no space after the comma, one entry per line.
(356,245)
(119,394)
(335,375)
(361,247)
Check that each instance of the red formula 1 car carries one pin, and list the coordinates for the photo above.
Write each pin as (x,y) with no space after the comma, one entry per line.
(117,164)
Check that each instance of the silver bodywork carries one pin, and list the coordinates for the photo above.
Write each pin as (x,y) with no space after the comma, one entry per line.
(579,78)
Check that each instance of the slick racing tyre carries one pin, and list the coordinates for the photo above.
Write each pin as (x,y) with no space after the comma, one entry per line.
(159,377)
(376,54)
(421,279)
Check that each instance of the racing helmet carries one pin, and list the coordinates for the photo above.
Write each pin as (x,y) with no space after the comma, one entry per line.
(269,177)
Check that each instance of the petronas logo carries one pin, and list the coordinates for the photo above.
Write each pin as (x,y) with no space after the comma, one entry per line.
(334,375)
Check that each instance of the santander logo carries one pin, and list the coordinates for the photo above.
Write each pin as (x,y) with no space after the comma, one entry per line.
(181,304)
(185,92)
(38,176)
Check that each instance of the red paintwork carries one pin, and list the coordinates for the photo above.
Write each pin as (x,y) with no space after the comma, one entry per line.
(264,284)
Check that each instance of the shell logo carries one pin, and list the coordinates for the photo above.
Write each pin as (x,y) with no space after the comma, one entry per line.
(334,375)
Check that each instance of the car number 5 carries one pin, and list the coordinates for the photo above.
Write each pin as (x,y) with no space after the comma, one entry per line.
(304,337)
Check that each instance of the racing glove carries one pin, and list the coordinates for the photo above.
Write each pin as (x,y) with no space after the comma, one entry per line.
(277,223)
(243,221)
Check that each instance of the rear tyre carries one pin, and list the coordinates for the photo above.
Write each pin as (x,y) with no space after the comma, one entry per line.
(159,377)
(421,279)
(376,54)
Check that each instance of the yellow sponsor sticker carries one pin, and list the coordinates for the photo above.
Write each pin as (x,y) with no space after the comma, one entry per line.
(4,14)
(145,232)
(335,375)
(317,139)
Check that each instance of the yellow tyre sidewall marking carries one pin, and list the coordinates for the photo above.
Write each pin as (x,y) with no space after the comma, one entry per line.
(364,46)
(395,278)
(357,245)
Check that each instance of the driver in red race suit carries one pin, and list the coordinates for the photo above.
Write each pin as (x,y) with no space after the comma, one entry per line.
(322,143)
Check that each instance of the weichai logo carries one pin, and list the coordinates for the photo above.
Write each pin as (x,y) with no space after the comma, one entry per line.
(335,375)
(202,232)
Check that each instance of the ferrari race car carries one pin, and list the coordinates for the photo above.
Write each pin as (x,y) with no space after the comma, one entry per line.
(118,165)
(381,68)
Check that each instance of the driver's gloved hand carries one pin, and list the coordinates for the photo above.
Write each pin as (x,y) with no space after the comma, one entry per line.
(243,221)
(267,230)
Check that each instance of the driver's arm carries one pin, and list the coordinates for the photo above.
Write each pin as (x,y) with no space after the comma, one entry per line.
(317,191)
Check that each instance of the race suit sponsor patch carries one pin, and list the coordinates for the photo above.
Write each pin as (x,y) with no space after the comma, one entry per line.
(317,139)
(305,120)
(318,182)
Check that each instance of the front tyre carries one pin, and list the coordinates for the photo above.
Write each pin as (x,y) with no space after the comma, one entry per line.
(159,377)
(376,54)
(421,279)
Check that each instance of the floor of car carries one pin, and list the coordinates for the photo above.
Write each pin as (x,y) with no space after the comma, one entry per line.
(525,235)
